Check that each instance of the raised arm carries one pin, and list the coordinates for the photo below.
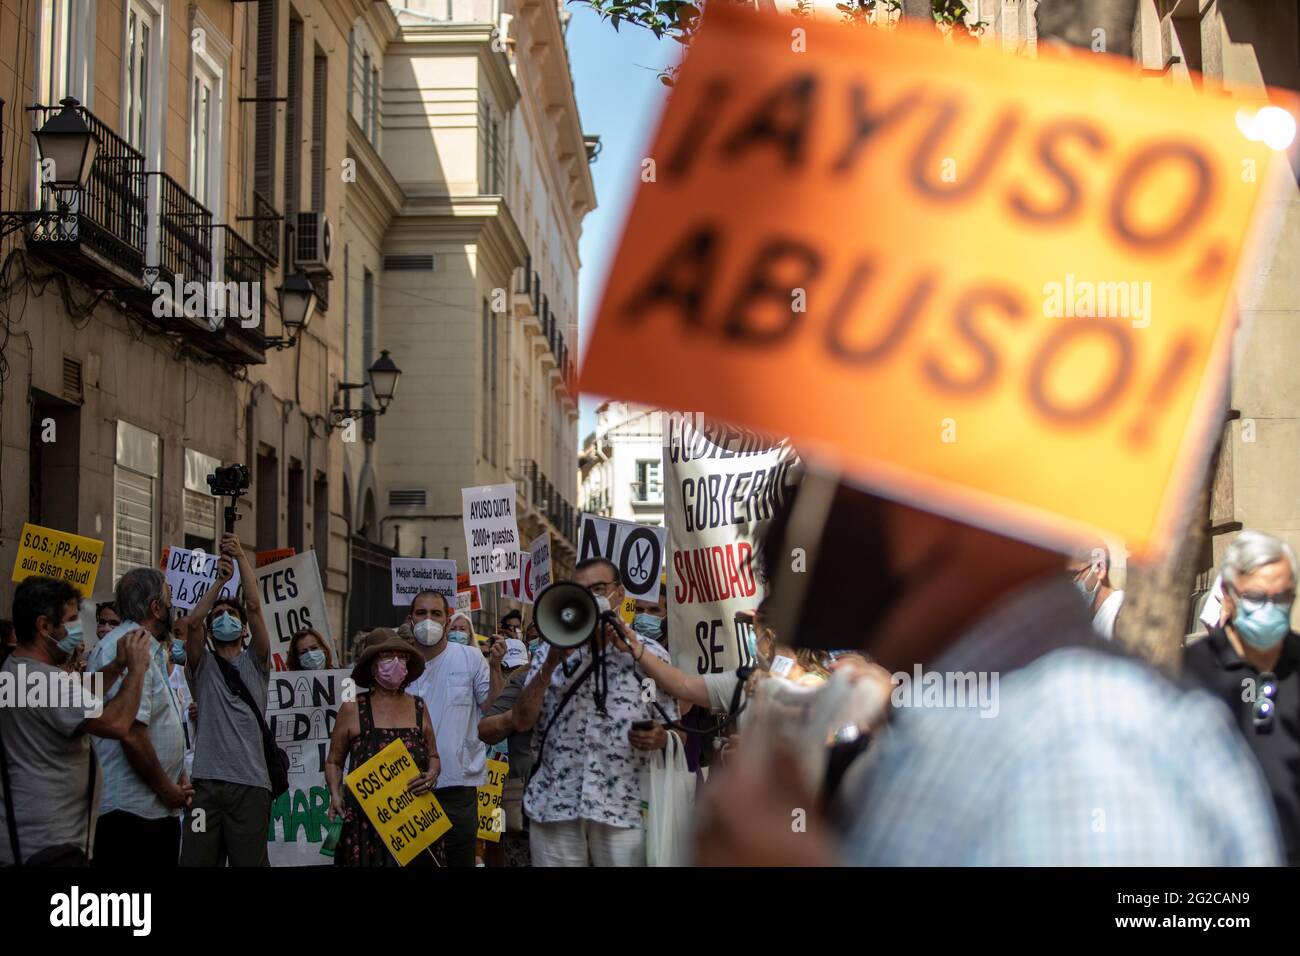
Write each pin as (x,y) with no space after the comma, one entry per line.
(669,679)
(194,633)
(260,646)
(529,705)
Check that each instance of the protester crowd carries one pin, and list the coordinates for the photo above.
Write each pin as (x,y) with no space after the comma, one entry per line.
(1093,757)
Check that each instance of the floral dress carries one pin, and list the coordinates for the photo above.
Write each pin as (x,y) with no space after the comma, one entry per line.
(359,843)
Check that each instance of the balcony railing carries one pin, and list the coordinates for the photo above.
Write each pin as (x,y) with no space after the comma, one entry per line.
(539,492)
(244,266)
(184,233)
(266,228)
(107,219)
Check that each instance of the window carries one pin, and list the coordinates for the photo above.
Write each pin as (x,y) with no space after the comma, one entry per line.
(207,112)
(67,40)
(367,328)
(201,512)
(136,492)
(54,468)
(365,94)
(374,106)
(486,402)
(293,132)
(295,505)
(138,54)
(267,67)
(647,486)
(320,521)
(319,86)
(268,500)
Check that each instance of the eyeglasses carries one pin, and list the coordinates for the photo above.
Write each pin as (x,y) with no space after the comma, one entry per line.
(1265,702)
(602,588)
(1253,601)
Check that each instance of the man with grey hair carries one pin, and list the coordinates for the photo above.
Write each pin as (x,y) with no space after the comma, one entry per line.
(1091,570)
(144,785)
(1251,661)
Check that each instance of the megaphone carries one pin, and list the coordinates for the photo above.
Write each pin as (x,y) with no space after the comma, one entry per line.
(566,614)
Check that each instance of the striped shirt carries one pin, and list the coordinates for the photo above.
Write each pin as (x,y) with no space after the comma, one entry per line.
(1091,758)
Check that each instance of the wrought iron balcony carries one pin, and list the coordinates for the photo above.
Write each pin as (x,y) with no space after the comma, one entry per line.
(266,221)
(184,233)
(244,267)
(100,237)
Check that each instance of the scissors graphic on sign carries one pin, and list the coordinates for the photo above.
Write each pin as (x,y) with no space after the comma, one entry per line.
(639,572)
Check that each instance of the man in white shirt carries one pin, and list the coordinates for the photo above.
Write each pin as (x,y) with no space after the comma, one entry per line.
(457,686)
(1091,570)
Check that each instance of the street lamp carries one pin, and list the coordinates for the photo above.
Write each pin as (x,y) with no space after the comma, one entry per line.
(383,380)
(297,297)
(67,141)
(70,146)
(383,375)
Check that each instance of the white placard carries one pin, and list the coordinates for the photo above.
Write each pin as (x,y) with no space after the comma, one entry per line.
(301,707)
(413,575)
(535,573)
(637,549)
(191,573)
(491,534)
(292,598)
(716,500)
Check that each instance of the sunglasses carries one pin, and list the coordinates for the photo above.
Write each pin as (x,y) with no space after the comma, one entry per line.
(1265,703)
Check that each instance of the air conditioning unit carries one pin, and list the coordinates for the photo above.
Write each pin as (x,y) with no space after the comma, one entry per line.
(313,241)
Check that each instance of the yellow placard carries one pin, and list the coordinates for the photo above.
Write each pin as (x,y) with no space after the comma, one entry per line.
(408,823)
(627,610)
(58,554)
(993,286)
(491,815)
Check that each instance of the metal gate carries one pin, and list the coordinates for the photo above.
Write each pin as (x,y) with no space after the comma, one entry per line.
(371,602)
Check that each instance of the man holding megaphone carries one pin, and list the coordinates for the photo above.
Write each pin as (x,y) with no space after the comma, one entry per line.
(596,724)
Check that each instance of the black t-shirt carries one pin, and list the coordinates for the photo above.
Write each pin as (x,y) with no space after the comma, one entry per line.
(1214,664)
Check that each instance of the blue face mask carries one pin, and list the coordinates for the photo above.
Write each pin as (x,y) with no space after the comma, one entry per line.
(1262,629)
(458,637)
(533,645)
(227,628)
(647,625)
(178,651)
(312,660)
(751,643)
(73,638)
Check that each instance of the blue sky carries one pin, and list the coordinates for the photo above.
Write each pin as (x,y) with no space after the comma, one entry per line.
(615,77)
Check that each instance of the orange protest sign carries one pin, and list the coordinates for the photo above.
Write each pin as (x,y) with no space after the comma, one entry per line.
(467,598)
(992,286)
(270,557)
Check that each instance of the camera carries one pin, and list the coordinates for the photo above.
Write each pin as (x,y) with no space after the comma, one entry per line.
(230,481)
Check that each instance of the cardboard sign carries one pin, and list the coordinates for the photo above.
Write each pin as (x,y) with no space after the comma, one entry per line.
(535,573)
(720,489)
(408,823)
(270,557)
(491,535)
(66,557)
(301,707)
(637,549)
(988,285)
(467,598)
(292,598)
(191,573)
(491,816)
(413,575)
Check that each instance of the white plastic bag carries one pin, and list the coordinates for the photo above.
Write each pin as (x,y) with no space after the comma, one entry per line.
(667,804)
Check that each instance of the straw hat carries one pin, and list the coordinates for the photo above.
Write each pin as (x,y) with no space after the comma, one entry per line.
(379,641)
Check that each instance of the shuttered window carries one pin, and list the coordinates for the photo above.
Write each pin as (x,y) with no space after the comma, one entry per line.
(136,473)
(374,106)
(293,124)
(319,84)
(365,93)
(267,68)
(367,327)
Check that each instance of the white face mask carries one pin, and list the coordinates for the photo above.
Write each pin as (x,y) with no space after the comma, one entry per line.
(602,602)
(428,632)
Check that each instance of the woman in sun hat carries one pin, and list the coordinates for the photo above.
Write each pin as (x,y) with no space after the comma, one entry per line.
(386,664)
